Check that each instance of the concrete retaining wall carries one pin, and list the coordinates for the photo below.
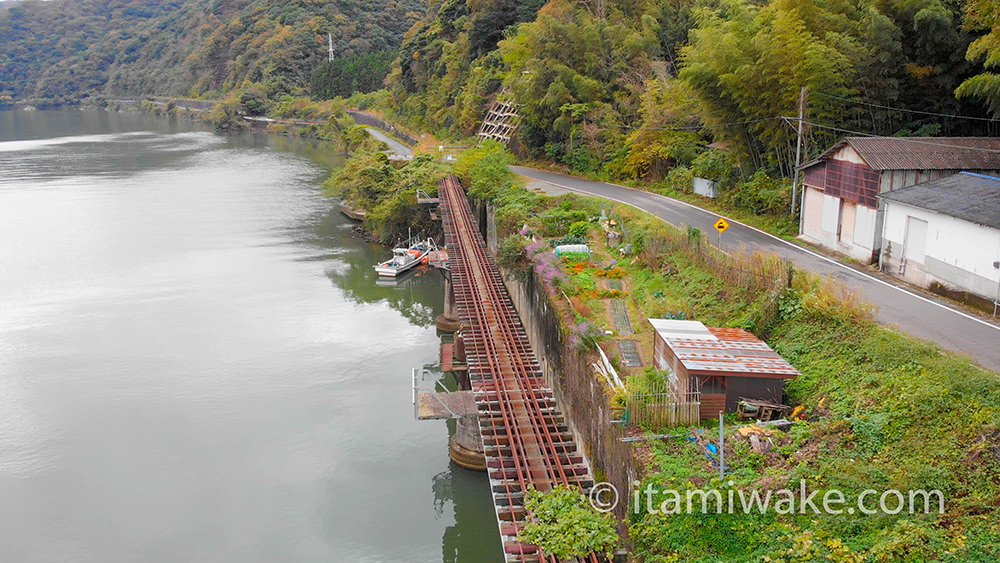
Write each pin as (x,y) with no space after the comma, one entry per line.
(579,393)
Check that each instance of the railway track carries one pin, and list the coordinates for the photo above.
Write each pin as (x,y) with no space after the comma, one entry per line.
(525,436)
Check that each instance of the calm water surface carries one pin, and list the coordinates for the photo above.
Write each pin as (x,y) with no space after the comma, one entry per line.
(197,365)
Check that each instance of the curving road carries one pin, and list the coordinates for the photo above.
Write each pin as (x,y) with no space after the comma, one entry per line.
(395,147)
(924,317)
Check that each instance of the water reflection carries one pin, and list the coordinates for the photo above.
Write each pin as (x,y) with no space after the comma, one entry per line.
(198,353)
(474,535)
(419,296)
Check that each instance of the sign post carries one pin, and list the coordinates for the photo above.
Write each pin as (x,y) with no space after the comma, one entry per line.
(722,441)
(721,225)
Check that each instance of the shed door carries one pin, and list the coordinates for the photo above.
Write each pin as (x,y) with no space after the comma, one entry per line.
(915,242)
(845,232)
(831,214)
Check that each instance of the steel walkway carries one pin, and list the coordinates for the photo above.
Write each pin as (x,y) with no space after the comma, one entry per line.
(526,439)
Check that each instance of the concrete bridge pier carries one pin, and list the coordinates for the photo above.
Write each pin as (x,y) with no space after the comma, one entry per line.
(466,446)
(448,321)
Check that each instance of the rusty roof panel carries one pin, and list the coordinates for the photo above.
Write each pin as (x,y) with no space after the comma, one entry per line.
(923,153)
(723,351)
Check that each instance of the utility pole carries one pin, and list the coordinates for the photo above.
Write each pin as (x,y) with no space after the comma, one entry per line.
(329,37)
(798,149)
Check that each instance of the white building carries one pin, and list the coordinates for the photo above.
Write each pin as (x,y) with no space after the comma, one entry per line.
(840,206)
(945,231)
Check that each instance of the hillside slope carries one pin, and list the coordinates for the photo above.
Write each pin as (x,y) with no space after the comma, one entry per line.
(63,50)
(631,88)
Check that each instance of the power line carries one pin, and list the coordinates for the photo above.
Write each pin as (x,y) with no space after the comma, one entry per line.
(903,139)
(696,127)
(787,119)
(858,102)
(678,128)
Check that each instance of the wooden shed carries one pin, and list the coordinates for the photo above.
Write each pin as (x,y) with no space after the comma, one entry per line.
(720,365)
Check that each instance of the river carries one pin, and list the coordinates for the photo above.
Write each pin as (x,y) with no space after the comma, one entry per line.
(197,365)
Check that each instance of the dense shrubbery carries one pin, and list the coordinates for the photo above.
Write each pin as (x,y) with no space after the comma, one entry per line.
(558,220)
(760,194)
(225,117)
(484,170)
(566,526)
(511,255)
(387,190)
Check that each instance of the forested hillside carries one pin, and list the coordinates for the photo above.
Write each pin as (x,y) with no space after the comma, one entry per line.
(637,88)
(623,89)
(62,50)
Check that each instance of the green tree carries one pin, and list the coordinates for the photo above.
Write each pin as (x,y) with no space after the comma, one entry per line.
(388,191)
(366,178)
(357,73)
(667,136)
(924,74)
(575,72)
(747,64)
(983,15)
(448,69)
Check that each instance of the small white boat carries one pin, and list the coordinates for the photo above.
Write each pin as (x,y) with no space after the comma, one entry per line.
(404,259)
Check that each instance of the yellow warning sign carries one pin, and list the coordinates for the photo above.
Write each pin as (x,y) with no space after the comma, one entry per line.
(721,225)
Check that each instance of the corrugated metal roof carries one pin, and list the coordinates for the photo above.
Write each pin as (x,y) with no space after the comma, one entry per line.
(721,351)
(671,328)
(970,197)
(922,153)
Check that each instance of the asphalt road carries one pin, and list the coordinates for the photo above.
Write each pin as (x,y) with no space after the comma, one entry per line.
(920,316)
(394,146)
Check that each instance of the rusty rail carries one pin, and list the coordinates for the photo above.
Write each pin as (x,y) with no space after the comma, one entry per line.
(526,438)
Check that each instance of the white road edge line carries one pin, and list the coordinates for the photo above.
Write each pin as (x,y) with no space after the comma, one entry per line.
(779,239)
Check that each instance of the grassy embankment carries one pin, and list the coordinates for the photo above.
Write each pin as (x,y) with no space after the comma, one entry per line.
(760,201)
(883,410)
